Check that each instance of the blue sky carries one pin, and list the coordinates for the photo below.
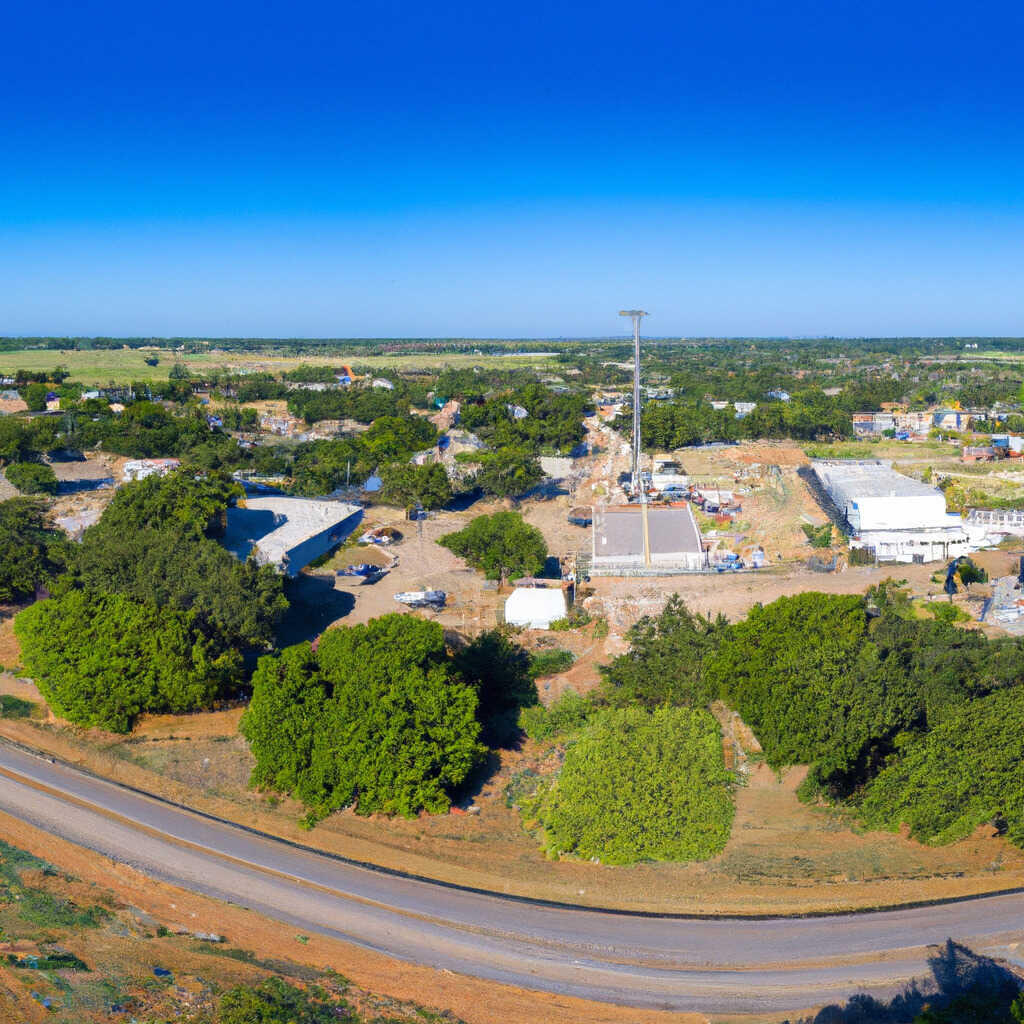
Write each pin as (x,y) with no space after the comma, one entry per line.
(475,170)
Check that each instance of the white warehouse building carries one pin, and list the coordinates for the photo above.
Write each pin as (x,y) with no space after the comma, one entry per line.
(900,519)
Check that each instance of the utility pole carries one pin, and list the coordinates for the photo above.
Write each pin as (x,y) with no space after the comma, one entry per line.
(635,315)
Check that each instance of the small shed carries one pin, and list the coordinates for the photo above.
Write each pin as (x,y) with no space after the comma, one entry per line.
(535,608)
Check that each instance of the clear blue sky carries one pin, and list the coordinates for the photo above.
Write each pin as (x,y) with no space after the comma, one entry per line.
(474,169)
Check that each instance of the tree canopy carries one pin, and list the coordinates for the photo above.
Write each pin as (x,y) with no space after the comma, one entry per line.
(965,772)
(500,545)
(376,717)
(32,477)
(665,663)
(405,484)
(101,660)
(31,554)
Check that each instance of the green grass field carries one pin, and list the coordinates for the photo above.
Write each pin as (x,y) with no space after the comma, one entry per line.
(109,366)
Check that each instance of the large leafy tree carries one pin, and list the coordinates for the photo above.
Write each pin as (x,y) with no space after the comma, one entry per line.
(499,671)
(641,785)
(32,477)
(666,658)
(101,660)
(376,718)
(508,472)
(406,484)
(965,772)
(500,545)
(790,669)
(31,554)
(184,499)
(235,604)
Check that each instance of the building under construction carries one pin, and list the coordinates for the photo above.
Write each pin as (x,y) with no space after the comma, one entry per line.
(642,539)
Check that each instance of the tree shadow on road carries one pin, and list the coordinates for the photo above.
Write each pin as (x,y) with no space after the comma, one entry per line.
(964,988)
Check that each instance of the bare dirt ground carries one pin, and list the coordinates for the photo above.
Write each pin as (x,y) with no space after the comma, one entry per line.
(123,951)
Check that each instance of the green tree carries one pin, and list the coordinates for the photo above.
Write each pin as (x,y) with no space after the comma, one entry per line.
(391,438)
(963,773)
(641,785)
(500,545)
(789,668)
(190,502)
(31,554)
(375,718)
(404,484)
(103,660)
(499,671)
(235,604)
(665,661)
(15,445)
(32,477)
(35,397)
(508,472)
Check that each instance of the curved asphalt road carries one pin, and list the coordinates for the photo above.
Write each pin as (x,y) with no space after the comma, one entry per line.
(655,962)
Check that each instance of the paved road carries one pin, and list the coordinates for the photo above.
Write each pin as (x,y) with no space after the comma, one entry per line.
(656,962)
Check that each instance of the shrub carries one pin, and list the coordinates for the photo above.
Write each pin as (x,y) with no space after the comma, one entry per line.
(567,715)
(665,660)
(500,545)
(641,785)
(276,1001)
(550,663)
(32,477)
(31,554)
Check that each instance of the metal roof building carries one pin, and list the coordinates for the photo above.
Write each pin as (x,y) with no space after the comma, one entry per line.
(288,533)
(673,541)
(900,519)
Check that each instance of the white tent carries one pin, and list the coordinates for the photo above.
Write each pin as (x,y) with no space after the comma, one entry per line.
(535,608)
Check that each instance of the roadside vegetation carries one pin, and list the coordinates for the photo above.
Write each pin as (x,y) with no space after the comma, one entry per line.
(638,785)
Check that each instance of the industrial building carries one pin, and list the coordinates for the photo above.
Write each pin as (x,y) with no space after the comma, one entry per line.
(646,540)
(288,533)
(899,519)
(1005,521)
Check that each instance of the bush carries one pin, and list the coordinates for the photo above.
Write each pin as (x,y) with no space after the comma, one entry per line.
(641,785)
(501,545)
(964,773)
(550,663)
(32,477)
(405,484)
(819,536)
(275,1001)
(376,717)
(567,715)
